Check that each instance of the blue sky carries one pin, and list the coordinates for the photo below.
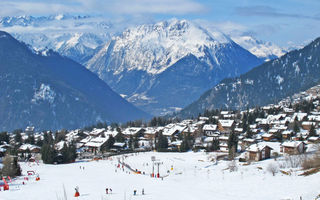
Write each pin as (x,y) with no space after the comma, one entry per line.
(283,22)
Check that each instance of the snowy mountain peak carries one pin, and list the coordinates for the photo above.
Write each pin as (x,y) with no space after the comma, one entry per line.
(261,49)
(155,47)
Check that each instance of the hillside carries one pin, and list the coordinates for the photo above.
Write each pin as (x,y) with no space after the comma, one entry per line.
(270,82)
(52,92)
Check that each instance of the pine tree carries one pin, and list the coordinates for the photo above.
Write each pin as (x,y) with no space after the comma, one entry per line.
(4,137)
(162,143)
(18,138)
(296,128)
(48,153)
(232,145)
(135,142)
(312,131)
(130,142)
(215,145)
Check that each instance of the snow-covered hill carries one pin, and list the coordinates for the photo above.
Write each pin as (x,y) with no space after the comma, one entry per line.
(265,50)
(168,64)
(268,83)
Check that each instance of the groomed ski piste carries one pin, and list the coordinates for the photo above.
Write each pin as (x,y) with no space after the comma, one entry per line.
(187,176)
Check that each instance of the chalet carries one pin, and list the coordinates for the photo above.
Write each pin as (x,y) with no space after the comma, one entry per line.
(97,132)
(175,145)
(133,131)
(287,134)
(226,126)
(29,130)
(32,148)
(118,146)
(314,140)
(173,129)
(248,141)
(288,111)
(267,136)
(293,147)
(151,132)
(238,130)
(259,152)
(209,129)
(144,144)
(306,125)
(95,144)
(223,143)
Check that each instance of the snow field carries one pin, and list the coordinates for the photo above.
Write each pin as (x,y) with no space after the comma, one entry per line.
(194,176)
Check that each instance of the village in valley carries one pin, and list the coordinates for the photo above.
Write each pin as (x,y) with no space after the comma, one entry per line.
(284,138)
(289,127)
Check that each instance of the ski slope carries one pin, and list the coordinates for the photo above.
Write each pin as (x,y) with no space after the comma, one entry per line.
(187,176)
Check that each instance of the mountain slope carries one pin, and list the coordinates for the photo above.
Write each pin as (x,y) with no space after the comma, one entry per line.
(296,71)
(53,92)
(164,66)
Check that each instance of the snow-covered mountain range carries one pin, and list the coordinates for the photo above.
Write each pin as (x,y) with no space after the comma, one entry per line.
(168,64)
(74,36)
(159,67)
(265,50)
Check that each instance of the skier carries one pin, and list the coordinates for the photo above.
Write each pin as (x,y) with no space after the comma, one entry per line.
(77,192)
(142,191)
(134,192)
(110,190)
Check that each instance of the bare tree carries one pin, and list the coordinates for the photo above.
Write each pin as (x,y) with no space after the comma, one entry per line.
(273,168)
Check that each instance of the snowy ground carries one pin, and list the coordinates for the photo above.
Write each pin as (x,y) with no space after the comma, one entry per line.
(194,176)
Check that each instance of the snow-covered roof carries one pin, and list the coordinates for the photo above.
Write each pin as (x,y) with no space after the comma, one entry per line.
(87,139)
(97,131)
(119,144)
(204,118)
(226,122)
(266,135)
(209,127)
(28,146)
(313,138)
(96,142)
(59,145)
(176,143)
(131,130)
(299,116)
(224,112)
(257,147)
(292,144)
(238,129)
(307,123)
(172,128)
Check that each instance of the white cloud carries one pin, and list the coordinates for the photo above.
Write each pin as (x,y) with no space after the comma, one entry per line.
(117,7)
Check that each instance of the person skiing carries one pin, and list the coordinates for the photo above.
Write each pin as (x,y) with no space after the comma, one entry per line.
(134,192)
(107,190)
(142,191)
(110,190)
(77,192)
